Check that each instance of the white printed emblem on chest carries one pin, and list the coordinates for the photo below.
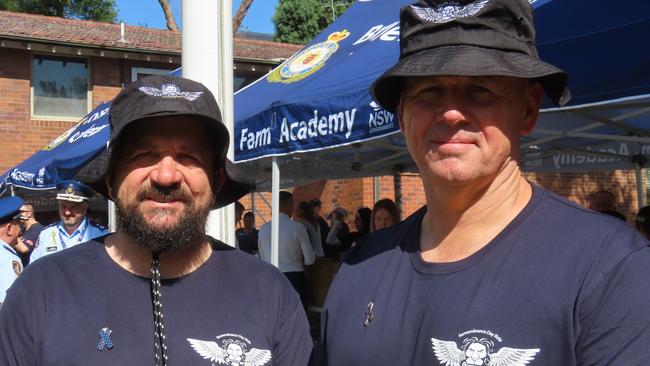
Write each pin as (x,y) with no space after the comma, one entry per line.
(232,350)
(478,347)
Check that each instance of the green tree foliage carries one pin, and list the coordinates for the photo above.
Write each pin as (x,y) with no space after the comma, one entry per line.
(99,10)
(299,21)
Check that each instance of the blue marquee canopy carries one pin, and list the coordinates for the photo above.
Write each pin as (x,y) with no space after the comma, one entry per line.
(315,113)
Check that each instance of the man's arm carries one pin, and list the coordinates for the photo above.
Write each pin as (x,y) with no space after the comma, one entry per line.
(16,341)
(614,315)
(293,344)
(305,245)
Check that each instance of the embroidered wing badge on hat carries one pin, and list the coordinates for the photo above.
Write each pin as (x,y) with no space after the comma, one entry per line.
(170,91)
(447,11)
(233,353)
(477,351)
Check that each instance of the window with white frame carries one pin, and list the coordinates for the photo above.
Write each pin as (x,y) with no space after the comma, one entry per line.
(60,86)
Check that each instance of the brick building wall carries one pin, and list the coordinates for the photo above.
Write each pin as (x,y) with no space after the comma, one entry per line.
(352,194)
(24,135)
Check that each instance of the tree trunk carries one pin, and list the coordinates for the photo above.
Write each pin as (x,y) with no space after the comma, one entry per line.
(241,13)
(169,15)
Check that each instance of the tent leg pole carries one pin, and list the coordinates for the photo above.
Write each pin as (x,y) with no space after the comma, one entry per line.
(275,211)
(397,184)
(375,189)
(112,216)
(640,196)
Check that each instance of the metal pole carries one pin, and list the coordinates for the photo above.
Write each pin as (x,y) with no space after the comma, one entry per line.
(375,189)
(207,58)
(640,196)
(275,211)
(112,216)
(397,183)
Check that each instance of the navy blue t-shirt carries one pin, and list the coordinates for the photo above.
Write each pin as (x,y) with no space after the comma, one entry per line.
(233,310)
(560,285)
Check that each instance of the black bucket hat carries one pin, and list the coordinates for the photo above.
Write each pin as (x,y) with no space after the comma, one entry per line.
(468,38)
(162,96)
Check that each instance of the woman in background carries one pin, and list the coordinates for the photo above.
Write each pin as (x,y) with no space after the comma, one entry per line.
(384,214)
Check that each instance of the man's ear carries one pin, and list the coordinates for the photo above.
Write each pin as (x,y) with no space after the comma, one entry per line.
(534,97)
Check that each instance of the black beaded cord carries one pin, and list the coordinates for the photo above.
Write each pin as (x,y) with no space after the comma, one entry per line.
(159,346)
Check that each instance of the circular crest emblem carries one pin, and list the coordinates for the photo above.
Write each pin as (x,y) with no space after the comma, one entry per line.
(69,190)
(307,61)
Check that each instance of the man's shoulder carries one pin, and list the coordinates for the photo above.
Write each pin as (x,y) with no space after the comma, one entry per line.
(64,259)
(97,225)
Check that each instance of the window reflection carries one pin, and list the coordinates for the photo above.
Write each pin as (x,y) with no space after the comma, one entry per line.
(60,86)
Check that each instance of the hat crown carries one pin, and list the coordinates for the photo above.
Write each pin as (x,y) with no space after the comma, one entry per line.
(494,24)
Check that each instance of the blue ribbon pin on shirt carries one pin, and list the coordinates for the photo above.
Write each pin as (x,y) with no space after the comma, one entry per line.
(105,339)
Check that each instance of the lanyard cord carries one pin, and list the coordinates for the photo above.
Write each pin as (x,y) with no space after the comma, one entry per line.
(160,348)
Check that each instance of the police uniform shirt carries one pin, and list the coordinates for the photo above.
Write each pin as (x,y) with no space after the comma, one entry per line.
(10,268)
(55,238)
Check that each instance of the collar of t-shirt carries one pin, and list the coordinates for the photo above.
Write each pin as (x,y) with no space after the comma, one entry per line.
(80,230)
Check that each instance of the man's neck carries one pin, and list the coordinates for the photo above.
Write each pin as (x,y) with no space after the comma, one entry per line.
(137,259)
(462,219)
(71,228)
(29,223)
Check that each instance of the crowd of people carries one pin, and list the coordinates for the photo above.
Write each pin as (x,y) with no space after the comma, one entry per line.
(492,270)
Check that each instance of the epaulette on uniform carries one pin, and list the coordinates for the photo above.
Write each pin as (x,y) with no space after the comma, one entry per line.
(97,225)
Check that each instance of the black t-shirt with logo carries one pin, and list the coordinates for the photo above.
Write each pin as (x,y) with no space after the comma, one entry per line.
(79,307)
(560,285)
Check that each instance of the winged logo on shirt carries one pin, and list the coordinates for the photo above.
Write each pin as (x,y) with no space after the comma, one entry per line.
(232,352)
(478,351)
(170,91)
(447,11)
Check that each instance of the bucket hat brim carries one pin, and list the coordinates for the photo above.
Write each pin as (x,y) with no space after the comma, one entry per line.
(466,60)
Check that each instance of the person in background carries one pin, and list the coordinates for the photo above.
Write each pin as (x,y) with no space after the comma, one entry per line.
(30,235)
(324,227)
(642,221)
(305,216)
(10,264)
(602,201)
(384,214)
(74,227)
(362,220)
(294,248)
(247,235)
(239,211)
(339,230)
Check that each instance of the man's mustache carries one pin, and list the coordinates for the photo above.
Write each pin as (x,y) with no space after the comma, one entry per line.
(159,193)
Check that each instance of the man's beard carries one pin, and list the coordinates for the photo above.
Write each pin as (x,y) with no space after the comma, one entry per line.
(187,231)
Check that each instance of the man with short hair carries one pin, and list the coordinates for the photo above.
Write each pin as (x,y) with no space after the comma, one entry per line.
(74,227)
(10,264)
(602,201)
(493,270)
(33,229)
(294,246)
(159,290)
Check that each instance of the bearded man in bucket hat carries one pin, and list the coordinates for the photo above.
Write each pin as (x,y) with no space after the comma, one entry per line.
(493,270)
(159,290)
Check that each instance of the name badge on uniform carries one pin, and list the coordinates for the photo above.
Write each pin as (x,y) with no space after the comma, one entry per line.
(50,249)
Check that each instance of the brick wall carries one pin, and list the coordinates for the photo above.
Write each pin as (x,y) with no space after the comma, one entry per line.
(352,194)
(24,136)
